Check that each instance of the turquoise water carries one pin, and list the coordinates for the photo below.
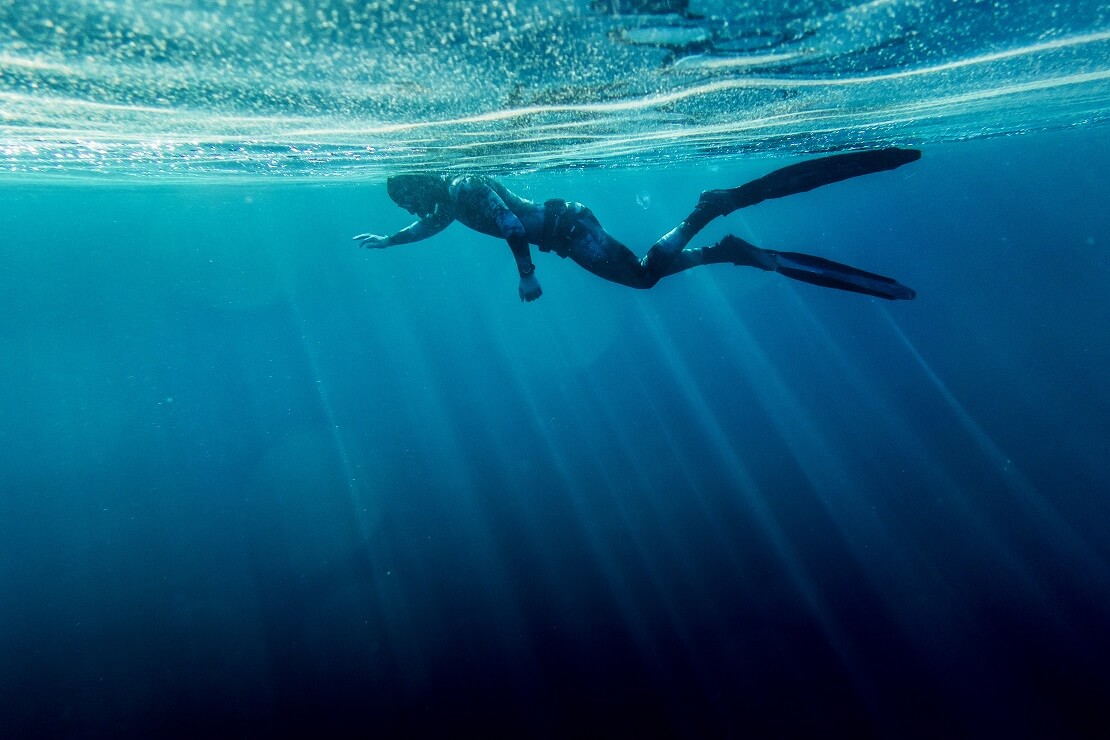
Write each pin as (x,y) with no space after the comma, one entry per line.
(256,480)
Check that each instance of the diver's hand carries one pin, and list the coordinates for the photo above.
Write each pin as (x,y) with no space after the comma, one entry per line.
(530,288)
(372,241)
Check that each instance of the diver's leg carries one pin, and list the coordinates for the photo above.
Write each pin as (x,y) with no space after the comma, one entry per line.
(804,267)
(730,250)
(798,178)
(657,261)
(591,247)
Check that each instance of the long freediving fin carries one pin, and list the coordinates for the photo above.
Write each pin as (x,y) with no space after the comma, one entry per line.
(813,173)
(829,274)
(798,178)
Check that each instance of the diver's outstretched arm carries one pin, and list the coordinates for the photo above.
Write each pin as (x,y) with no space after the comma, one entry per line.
(798,178)
(422,229)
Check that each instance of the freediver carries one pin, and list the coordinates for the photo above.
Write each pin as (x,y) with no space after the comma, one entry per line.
(570,230)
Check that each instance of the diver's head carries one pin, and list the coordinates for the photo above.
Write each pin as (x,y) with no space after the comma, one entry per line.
(417,194)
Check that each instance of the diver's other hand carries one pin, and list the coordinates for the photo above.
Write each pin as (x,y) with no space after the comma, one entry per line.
(530,288)
(372,241)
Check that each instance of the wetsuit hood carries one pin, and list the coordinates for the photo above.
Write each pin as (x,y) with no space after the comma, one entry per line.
(418,193)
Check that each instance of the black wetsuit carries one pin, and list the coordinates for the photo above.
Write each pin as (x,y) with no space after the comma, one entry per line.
(571,230)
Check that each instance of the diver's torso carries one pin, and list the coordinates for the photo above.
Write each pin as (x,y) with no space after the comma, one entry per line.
(475,208)
(574,231)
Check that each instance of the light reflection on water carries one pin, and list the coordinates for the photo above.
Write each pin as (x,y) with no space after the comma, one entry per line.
(338,88)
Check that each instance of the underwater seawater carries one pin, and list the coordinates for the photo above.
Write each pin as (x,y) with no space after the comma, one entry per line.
(256,481)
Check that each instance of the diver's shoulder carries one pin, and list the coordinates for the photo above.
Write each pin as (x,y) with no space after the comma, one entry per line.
(464,181)
(470,181)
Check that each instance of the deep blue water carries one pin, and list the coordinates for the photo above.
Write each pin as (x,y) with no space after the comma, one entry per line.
(254,479)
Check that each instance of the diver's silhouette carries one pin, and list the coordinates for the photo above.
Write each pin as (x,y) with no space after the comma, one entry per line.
(571,230)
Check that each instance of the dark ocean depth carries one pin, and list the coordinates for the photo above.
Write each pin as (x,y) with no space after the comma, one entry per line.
(256,481)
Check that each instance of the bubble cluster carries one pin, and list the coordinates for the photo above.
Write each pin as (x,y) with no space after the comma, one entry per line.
(308,88)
